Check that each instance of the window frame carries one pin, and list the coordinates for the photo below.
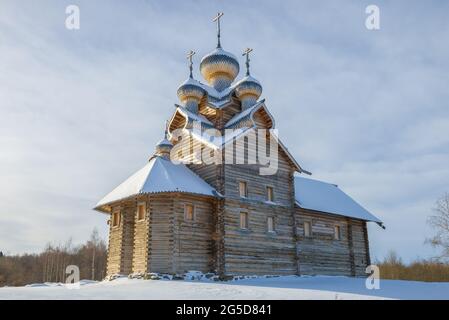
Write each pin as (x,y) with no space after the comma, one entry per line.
(116,213)
(139,205)
(246,189)
(246,227)
(337,232)
(269,187)
(310,232)
(193,212)
(273,224)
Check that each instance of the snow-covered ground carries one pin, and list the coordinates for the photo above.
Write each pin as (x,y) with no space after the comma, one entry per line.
(288,287)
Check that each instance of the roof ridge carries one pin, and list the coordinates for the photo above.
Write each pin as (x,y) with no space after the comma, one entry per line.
(317,180)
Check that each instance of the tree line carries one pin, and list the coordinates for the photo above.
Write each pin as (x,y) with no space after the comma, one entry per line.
(432,270)
(50,265)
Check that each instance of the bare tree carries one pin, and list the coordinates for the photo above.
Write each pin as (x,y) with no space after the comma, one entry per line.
(440,222)
(50,265)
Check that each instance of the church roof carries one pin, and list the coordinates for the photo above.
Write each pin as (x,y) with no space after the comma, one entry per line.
(329,198)
(221,141)
(248,113)
(157,176)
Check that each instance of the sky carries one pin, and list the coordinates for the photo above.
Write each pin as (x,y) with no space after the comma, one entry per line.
(81,110)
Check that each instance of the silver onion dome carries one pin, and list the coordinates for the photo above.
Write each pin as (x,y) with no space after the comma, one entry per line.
(248,90)
(219,68)
(190,93)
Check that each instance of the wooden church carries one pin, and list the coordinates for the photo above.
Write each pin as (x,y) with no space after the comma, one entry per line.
(198,204)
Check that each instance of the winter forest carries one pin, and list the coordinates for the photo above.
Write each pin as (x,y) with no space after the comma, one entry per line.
(50,265)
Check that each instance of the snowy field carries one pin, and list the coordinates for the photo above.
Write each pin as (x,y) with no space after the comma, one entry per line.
(289,287)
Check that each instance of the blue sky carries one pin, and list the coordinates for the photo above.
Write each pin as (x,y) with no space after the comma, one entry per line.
(82,110)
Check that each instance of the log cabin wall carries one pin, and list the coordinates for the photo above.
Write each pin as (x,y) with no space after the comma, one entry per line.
(160,234)
(120,247)
(114,264)
(255,250)
(141,238)
(128,237)
(208,172)
(166,243)
(361,247)
(322,254)
(193,245)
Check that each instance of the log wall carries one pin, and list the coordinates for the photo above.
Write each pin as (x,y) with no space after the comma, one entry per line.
(114,264)
(322,254)
(141,239)
(193,243)
(255,250)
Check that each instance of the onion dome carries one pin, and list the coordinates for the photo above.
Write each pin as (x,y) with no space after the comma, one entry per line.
(164,146)
(219,68)
(190,93)
(248,90)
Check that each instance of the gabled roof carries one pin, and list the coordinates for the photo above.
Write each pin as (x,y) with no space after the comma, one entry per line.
(190,118)
(325,197)
(220,142)
(248,114)
(157,176)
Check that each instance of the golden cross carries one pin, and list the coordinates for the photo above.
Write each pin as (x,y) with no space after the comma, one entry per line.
(217,19)
(246,53)
(190,55)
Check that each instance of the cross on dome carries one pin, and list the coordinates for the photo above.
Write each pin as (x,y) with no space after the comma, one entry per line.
(246,53)
(217,19)
(166,129)
(190,55)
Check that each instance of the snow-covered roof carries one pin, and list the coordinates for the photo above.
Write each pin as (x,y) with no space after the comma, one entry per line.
(164,142)
(248,112)
(219,52)
(159,175)
(221,97)
(325,197)
(193,116)
(218,142)
(248,79)
(191,81)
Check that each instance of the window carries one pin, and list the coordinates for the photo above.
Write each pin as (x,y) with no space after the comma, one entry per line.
(116,218)
(337,233)
(270,224)
(243,189)
(141,211)
(189,212)
(270,194)
(307,229)
(244,220)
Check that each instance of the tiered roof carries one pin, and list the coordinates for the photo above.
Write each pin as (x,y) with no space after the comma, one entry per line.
(160,175)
